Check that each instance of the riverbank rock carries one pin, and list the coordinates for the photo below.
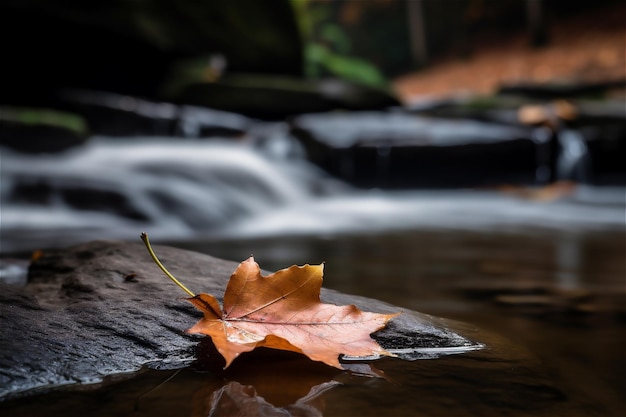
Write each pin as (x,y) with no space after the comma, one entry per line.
(403,150)
(117,115)
(38,130)
(272,97)
(102,308)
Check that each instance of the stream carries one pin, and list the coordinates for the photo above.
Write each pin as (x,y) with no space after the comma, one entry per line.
(189,189)
(542,280)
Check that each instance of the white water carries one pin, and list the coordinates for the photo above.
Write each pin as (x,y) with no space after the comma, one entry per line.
(187,189)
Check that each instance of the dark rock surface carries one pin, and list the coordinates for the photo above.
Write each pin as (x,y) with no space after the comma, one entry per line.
(123,115)
(403,150)
(104,308)
(561,90)
(279,97)
(38,130)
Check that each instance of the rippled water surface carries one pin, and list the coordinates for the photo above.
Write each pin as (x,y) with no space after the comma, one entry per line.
(549,306)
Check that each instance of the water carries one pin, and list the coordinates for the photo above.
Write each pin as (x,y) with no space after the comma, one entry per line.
(557,297)
(189,189)
(112,188)
(539,282)
(562,355)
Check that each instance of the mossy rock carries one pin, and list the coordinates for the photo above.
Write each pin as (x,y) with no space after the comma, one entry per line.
(40,130)
(278,97)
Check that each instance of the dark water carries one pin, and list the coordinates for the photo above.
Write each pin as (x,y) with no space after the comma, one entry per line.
(550,306)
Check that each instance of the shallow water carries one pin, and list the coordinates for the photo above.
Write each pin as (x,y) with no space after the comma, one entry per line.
(549,305)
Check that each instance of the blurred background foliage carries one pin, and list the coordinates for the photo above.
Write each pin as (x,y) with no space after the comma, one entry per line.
(155,47)
(328,48)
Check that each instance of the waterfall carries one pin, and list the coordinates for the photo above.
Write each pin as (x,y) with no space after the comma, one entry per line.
(573,162)
(116,188)
(181,189)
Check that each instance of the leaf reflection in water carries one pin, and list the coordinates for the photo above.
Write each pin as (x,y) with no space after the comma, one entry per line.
(268,379)
(234,399)
(267,382)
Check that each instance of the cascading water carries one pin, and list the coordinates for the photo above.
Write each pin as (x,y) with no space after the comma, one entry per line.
(199,189)
(113,188)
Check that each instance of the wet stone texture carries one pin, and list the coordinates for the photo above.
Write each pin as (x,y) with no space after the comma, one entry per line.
(104,308)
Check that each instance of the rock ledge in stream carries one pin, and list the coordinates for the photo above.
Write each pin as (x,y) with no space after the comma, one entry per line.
(104,308)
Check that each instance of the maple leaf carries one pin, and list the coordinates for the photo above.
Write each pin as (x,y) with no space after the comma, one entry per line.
(283,311)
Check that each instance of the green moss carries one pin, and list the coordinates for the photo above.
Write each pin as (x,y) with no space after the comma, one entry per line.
(43,117)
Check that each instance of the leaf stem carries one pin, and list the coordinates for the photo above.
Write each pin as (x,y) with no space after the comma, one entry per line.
(144,237)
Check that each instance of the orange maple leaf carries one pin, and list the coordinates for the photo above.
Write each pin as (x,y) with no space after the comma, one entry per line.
(283,311)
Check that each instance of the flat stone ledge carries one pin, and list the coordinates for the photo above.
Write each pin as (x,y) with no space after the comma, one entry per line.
(104,308)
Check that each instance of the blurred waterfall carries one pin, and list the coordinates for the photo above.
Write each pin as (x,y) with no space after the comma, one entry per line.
(115,188)
(182,189)
(573,162)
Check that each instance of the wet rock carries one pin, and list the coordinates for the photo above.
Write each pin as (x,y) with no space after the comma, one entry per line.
(124,115)
(278,97)
(121,115)
(562,90)
(587,137)
(104,308)
(36,130)
(83,196)
(402,150)
(494,108)
(204,122)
